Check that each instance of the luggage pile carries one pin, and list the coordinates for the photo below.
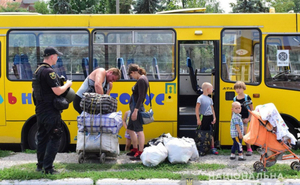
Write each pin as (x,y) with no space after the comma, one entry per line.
(98,127)
(177,150)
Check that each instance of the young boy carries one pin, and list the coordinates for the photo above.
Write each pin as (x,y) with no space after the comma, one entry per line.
(205,108)
(241,97)
(236,131)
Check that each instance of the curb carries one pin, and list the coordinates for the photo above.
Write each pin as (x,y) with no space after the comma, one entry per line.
(69,181)
(88,181)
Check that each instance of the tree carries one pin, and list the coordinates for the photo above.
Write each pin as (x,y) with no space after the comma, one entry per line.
(125,6)
(89,6)
(110,6)
(41,7)
(248,6)
(212,6)
(147,6)
(12,7)
(297,6)
(60,6)
(283,5)
(169,5)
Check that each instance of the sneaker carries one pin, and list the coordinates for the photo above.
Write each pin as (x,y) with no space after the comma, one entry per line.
(137,156)
(248,153)
(132,152)
(242,159)
(232,157)
(51,171)
(214,151)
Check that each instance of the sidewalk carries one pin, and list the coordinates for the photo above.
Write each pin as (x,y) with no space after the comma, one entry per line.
(87,181)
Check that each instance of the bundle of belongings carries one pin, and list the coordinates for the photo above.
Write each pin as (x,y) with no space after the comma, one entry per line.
(268,112)
(93,102)
(99,124)
(177,150)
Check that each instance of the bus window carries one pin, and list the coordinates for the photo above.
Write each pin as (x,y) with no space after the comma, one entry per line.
(21,58)
(241,55)
(26,51)
(201,57)
(137,46)
(283,61)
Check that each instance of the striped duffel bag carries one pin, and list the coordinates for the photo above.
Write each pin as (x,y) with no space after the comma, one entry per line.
(91,103)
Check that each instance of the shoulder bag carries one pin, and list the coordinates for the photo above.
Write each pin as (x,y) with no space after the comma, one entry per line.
(147,116)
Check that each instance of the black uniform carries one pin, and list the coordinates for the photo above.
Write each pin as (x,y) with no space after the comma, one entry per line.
(48,117)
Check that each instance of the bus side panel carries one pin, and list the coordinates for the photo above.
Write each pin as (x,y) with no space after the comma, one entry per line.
(11,132)
(19,100)
(2,76)
(225,113)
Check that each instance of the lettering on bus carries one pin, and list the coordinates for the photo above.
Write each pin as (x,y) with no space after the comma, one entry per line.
(26,98)
(124,98)
(227,88)
(1,99)
(11,99)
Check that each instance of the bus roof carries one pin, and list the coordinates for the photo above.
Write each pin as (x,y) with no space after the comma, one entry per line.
(19,13)
(186,10)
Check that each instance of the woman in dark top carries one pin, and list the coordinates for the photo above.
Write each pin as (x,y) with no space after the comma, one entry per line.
(139,91)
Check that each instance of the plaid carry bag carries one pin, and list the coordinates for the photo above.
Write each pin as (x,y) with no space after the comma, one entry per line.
(91,103)
(106,123)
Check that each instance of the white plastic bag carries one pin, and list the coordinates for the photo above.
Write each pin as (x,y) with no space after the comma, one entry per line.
(153,155)
(195,154)
(179,151)
(109,143)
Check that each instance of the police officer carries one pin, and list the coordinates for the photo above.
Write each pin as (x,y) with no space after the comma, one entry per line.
(46,87)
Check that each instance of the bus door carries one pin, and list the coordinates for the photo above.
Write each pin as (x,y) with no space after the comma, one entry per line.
(2,76)
(197,64)
(240,51)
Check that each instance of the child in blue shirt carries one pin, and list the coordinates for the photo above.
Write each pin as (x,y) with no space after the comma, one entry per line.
(236,131)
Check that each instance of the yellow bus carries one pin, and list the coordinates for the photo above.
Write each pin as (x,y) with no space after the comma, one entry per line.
(178,51)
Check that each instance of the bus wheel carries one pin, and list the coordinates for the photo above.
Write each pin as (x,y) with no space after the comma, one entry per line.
(32,139)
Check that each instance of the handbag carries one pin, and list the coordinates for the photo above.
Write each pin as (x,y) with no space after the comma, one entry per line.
(147,116)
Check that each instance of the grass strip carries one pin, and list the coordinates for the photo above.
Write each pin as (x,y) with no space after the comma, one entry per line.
(5,153)
(138,171)
(99,171)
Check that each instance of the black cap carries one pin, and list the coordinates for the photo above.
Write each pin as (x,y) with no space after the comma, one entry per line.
(51,51)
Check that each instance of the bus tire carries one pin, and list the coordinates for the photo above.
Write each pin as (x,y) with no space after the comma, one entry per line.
(32,139)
